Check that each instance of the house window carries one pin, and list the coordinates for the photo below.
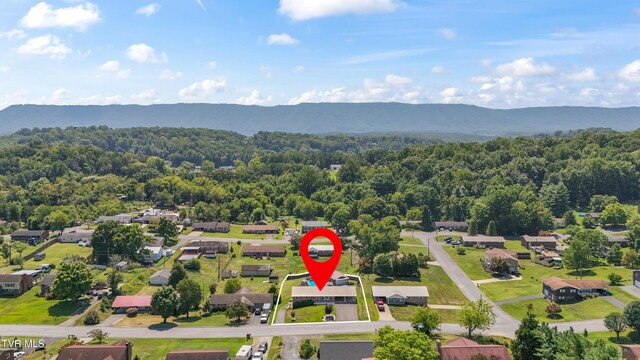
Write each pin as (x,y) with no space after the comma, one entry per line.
(562,291)
(573,290)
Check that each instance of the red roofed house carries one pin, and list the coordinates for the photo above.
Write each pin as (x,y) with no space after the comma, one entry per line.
(630,352)
(118,351)
(560,290)
(140,302)
(198,355)
(465,349)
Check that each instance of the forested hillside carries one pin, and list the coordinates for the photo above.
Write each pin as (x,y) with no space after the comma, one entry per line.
(520,184)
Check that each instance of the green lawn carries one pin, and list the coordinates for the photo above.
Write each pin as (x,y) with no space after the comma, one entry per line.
(622,295)
(275,348)
(308,314)
(236,232)
(447,316)
(626,337)
(146,320)
(440,238)
(55,254)
(534,274)
(408,240)
(152,349)
(595,308)
(31,309)
(469,262)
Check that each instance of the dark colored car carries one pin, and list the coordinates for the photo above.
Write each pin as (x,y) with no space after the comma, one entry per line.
(263,346)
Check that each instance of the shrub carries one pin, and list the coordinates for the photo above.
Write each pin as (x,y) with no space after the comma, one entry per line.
(100,284)
(213,287)
(105,304)
(193,264)
(132,312)
(302,303)
(553,310)
(461,251)
(239,242)
(92,318)
(307,350)
(328,309)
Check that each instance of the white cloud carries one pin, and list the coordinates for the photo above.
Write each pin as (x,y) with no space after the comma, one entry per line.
(254,99)
(44,15)
(15,34)
(438,69)
(630,72)
(310,9)
(144,53)
(148,10)
(448,33)
(486,62)
(212,64)
(383,56)
(299,68)
(282,39)
(451,95)
(113,66)
(145,96)
(397,80)
(480,79)
(587,74)
(200,90)
(60,94)
(99,100)
(4,69)
(45,45)
(524,67)
(170,75)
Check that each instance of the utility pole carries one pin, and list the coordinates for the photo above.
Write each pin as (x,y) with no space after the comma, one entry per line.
(218,268)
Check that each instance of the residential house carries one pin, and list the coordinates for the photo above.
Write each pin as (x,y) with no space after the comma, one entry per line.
(630,352)
(483,241)
(339,279)
(548,242)
(401,295)
(122,266)
(335,167)
(248,298)
(214,226)
(198,355)
(452,225)
(121,350)
(497,253)
(328,295)
(312,225)
(46,284)
(208,246)
(189,253)
(260,229)
(558,290)
(124,302)
(122,219)
(255,270)
(160,278)
(153,254)
(75,237)
(465,349)
(258,251)
(320,250)
(30,236)
(32,275)
(149,219)
(15,284)
(345,350)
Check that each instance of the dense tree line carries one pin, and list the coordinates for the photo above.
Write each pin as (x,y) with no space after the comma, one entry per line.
(508,186)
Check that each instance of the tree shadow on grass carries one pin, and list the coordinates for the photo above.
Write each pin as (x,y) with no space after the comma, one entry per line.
(162,326)
(64,308)
(584,273)
(555,316)
(631,338)
(391,280)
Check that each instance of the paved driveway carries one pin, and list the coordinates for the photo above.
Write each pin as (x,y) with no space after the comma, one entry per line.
(346,312)
(386,314)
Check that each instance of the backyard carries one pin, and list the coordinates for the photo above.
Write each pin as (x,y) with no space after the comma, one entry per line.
(595,308)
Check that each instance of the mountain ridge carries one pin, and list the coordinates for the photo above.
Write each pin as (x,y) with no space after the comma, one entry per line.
(317,118)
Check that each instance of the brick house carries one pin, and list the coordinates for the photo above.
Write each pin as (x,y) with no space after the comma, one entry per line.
(548,242)
(260,229)
(15,284)
(558,290)
(496,253)
(36,236)
(253,251)
(214,226)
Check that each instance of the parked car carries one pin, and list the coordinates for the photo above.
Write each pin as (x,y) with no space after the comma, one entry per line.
(263,346)
(264,319)
(448,240)
(380,305)
(258,311)
(257,356)
(19,354)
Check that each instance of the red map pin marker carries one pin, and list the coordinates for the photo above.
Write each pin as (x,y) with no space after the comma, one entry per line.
(321,271)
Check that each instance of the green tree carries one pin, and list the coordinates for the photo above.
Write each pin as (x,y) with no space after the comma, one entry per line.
(615,322)
(307,350)
(600,350)
(115,278)
(425,320)
(178,273)
(600,202)
(382,266)
(614,214)
(569,218)
(236,311)
(164,302)
(391,344)
(632,315)
(499,266)
(631,259)
(527,341)
(73,280)
(614,257)
(577,256)
(19,247)
(58,220)
(477,315)
(98,335)
(473,228)
(427,223)
(5,251)
(232,286)
(633,235)
(168,230)
(491,229)
(190,295)
(615,279)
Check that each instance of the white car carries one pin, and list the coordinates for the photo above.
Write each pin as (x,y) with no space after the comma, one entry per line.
(19,354)
(257,356)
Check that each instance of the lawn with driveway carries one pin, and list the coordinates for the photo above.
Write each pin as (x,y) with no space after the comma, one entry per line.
(595,308)
(469,262)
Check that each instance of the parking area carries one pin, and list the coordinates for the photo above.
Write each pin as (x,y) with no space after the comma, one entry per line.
(346,312)
(386,314)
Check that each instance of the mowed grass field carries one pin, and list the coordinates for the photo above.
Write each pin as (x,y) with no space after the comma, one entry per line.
(595,308)
(153,349)
(54,255)
(31,309)
(469,262)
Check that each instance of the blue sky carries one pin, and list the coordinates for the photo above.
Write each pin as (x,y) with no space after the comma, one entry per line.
(494,53)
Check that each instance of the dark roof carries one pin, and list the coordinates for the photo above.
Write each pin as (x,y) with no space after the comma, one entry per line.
(255,267)
(263,249)
(211,224)
(198,355)
(10,277)
(451,223)
(208,243)
(346,350)
(28,232)
(48,280)
(228,299)
(557,283)
(463,349)
(117,351)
